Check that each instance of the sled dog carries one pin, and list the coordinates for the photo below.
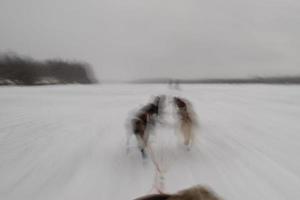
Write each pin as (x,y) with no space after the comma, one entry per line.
(187,121)
(144,121)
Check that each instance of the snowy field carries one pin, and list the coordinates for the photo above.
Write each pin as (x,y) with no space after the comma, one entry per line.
(69,142)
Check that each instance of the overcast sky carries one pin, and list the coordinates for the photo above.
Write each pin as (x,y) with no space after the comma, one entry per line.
(131,39)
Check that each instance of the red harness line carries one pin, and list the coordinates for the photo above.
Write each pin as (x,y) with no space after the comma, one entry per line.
(159,176)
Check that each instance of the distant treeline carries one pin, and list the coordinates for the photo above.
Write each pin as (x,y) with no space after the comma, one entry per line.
(255,80)
(16,70)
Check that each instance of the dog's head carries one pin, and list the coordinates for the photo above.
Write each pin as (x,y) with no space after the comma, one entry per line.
(179,102)
(159,103)
(150,109)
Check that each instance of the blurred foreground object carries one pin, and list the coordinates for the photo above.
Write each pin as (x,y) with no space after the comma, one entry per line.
(194,193)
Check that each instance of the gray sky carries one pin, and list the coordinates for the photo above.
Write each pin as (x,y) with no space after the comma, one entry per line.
(129,39)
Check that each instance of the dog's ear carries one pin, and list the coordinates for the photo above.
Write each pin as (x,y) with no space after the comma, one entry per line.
(155,197)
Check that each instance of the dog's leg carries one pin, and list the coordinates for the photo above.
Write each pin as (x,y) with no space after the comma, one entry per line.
(144,155)
(128,142)
(186,130)
(141,145)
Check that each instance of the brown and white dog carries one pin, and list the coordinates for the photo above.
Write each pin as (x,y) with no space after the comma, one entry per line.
(187,119)
(193,193)
(144,120)
(139,127)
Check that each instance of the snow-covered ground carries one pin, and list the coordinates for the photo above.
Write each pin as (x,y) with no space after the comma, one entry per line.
(69,142)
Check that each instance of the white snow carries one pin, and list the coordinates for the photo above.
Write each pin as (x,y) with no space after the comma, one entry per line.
(69,142)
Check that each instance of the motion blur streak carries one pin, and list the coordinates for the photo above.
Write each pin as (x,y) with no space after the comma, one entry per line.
(69,142)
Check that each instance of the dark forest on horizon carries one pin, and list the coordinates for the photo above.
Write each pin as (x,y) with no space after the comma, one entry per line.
(254,80)
(21,70)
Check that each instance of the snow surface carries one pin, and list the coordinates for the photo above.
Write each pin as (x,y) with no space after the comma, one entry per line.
(69,142)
